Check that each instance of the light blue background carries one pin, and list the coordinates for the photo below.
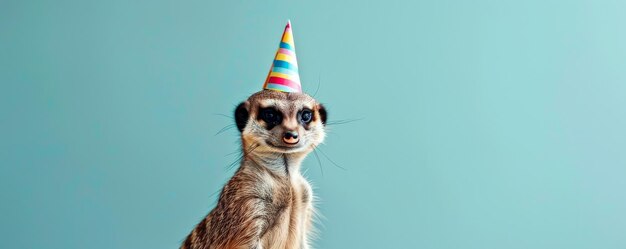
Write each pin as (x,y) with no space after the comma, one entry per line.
(485,124)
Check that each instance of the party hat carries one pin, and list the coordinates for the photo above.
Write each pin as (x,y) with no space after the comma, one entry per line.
(283,75)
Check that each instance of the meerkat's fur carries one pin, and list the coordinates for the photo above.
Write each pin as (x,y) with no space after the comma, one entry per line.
(267,203)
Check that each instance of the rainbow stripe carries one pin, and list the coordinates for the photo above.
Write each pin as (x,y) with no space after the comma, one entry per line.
(283,75)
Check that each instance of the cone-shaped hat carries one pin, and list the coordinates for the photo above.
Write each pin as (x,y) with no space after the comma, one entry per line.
(283,75)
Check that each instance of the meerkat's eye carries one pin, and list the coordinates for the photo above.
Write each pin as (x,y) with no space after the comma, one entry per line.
(270,116)
(306,116)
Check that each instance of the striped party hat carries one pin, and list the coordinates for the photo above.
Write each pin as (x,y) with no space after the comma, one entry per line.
(283,75)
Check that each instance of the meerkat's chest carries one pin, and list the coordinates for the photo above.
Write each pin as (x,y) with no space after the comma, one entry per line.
(290,224)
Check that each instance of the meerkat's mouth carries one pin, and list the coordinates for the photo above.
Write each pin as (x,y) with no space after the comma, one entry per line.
(286,147)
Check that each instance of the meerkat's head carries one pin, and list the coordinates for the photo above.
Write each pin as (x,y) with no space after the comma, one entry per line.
(281,122)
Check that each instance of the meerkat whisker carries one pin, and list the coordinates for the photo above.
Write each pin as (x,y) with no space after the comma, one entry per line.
(319,162)
(333,162)
(223,115)
(343,121)
(232,153)
(242,155)
(228,127)
(319,82)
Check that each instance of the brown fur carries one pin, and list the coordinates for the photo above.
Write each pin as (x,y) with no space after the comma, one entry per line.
(267,203)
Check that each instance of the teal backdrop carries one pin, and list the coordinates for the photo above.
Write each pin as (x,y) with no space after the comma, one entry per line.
(481,124)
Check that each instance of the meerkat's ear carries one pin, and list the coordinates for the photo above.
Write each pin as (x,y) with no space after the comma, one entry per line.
(323,114)
(241,115)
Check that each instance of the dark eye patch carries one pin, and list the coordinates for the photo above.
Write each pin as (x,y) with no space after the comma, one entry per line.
(270,116)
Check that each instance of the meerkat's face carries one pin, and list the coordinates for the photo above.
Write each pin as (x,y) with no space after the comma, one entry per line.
(281,122)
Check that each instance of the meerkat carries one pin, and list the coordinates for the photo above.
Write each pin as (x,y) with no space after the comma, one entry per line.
(267,203)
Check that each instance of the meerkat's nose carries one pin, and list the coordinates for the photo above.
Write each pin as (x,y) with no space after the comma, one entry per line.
(291,137)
